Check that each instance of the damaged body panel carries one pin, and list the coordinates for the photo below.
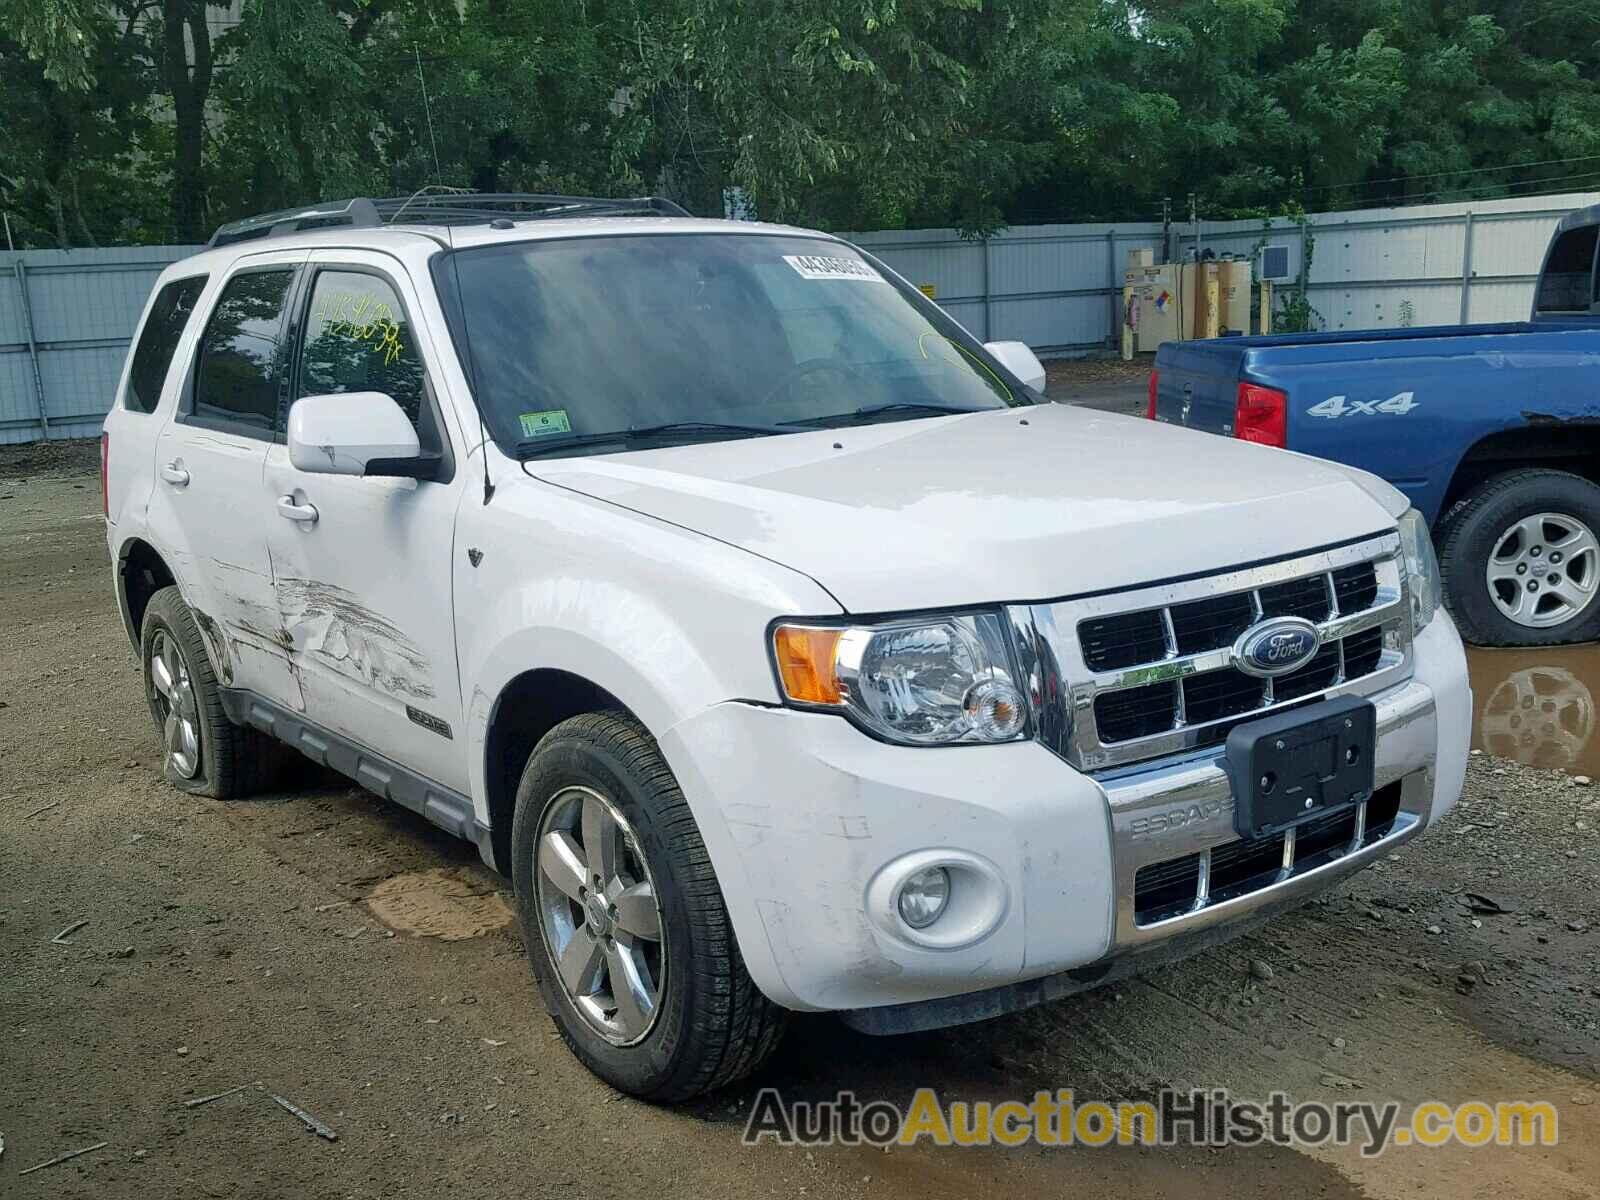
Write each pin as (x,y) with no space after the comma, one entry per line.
(333,625)
(363,598)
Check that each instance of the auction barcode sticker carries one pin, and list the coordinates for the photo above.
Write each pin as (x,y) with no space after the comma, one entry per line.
(818,266)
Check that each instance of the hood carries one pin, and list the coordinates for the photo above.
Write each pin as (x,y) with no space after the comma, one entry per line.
(1011,505)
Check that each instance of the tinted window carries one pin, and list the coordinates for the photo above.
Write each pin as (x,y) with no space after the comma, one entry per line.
(158,339)
(358,340)
(1568,281)
(236,379)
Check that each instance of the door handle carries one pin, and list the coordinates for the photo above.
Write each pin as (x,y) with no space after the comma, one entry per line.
(174,474)
(288,509)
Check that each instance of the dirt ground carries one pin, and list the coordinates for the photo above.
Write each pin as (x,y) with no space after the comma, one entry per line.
(1107,384)
(1072,372)
(364,967)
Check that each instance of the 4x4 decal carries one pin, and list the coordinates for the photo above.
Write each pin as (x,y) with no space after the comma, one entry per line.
(1398,404)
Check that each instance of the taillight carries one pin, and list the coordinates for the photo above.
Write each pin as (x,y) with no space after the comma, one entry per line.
(1155,384)
(1261,415)
(105,474)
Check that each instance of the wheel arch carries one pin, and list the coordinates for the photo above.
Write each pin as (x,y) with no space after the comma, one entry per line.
(1542,442)
(615,650)
(528,707)
(141,573)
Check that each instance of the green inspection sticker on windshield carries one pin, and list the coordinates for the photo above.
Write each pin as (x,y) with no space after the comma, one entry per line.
(542,424)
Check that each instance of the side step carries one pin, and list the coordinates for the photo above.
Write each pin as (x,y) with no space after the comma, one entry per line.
(435,803)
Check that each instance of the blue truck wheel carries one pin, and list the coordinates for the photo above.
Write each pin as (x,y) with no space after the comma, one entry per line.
(1520,556)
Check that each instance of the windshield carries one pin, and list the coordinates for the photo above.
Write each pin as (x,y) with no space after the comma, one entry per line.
(719,335)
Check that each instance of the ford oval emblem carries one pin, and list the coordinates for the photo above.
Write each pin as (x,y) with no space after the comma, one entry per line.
(1276,646)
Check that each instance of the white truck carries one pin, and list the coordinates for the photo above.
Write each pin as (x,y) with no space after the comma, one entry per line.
(778,640)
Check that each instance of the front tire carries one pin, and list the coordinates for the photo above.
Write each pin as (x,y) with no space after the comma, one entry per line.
(624,921)
(1520,560)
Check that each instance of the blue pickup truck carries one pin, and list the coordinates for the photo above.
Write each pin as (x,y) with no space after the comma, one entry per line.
(1493,431)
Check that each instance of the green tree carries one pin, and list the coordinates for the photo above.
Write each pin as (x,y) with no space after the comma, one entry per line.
(93,65)
(68,163)
(126,118)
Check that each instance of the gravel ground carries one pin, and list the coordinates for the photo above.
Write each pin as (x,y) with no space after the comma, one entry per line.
(364,966)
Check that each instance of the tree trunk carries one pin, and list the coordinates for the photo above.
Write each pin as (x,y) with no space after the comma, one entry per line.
(59,211)
(77,210)
(189,88)
(310,188)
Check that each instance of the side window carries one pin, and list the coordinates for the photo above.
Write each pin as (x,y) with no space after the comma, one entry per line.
(358,340)
(236,379)
(1568,283)
(158,339)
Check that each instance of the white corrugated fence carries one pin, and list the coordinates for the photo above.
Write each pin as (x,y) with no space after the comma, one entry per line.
(1059,287)
(66,315)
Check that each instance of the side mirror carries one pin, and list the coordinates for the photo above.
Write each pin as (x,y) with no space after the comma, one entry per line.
(355,433)
(1020,361)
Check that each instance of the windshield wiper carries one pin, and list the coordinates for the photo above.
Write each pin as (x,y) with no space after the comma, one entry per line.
(701,427)
(900,406)
(548,445)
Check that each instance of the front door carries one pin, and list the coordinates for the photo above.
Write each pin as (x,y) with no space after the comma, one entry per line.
(364,586)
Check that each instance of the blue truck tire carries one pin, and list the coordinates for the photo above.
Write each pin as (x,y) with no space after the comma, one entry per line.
(1520,559)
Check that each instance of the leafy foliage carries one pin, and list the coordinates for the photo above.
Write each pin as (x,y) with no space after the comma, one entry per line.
(158,119)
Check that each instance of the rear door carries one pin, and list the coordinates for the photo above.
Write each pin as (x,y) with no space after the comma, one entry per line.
(364,588)
(208,509)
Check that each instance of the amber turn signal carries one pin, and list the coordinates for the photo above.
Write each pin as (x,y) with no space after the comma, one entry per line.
(805,657)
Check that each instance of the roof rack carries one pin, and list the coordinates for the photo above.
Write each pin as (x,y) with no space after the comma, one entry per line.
(447,208)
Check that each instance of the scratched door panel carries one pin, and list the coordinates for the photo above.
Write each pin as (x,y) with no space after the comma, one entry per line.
(208,510)
(363,593)
(363,605)
(218,553)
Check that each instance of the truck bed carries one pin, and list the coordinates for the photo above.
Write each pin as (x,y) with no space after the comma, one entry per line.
(1405,404)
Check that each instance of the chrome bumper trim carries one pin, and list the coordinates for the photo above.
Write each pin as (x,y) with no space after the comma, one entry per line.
(1172,809)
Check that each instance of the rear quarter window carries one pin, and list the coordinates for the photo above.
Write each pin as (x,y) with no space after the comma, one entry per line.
(152,353)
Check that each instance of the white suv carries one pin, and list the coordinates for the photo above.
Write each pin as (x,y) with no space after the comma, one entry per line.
(772,635)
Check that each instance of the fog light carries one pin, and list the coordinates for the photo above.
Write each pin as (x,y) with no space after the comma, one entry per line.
(995,709)
(924,896)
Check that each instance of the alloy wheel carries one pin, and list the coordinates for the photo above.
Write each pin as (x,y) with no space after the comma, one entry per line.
(172,693)
(600,915)
(1544,570)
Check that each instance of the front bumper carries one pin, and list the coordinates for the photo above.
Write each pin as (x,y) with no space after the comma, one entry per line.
(803,815)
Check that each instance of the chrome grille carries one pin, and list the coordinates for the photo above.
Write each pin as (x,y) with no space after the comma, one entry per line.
(1127,677)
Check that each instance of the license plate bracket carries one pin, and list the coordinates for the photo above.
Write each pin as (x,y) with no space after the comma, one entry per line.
(1301,765)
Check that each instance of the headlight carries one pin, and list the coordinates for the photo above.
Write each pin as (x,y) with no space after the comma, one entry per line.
(1422,568)
(931,681)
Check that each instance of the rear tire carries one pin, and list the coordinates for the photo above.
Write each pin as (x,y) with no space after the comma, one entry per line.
(685,1018)
(202,751)
(1519,560)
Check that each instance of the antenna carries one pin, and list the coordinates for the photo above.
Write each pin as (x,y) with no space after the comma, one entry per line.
(429,189)
(427,110)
